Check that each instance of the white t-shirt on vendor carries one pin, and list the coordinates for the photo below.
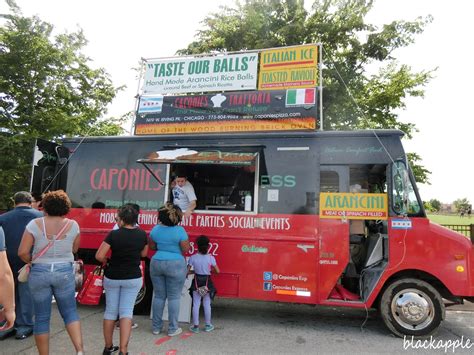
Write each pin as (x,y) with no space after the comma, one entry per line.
(182,196)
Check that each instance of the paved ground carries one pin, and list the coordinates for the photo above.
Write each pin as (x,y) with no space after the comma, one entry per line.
(251,327)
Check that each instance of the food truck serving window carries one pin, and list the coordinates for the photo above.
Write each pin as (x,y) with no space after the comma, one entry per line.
(223,179)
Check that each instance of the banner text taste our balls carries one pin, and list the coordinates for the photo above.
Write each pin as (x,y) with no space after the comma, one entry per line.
(223,65)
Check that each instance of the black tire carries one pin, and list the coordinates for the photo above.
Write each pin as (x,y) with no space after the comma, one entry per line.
(143,301)
(411,307)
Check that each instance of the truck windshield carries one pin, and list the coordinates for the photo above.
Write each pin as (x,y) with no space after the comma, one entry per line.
(404,199)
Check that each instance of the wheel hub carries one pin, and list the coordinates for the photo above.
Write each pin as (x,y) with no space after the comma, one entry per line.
(412,309)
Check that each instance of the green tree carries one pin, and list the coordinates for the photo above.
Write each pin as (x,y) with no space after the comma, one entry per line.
(435,204)
(461,205)
(354,97)
(419,171)
(428,206)
(47,90)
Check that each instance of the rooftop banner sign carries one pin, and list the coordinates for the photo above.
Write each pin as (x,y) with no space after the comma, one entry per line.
(288,67)
(249,111)
(177,75)
(353,205)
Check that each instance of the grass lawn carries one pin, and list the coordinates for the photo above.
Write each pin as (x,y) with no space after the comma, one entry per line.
(450,219)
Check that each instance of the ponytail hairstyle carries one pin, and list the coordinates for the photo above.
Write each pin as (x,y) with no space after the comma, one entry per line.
(203,244)
(170,215)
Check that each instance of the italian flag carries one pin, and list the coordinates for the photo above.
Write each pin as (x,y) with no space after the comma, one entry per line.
(300,97)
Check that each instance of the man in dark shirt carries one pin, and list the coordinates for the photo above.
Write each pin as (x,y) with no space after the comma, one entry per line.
(13,224)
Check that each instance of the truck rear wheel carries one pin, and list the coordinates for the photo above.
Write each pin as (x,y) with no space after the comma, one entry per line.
(411,307)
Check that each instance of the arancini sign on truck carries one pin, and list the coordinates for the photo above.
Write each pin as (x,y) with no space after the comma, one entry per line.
(353,205)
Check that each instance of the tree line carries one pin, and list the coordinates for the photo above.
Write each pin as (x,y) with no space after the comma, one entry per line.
(461,205)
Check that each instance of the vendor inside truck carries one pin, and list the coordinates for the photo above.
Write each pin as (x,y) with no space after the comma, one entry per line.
(217,187)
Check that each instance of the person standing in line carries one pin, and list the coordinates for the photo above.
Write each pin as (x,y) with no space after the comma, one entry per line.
(36,202)
(168,267)
(203,264)
(7,289)
(116,226)
(123,277)
(53,238)
(13,224)
(183,195)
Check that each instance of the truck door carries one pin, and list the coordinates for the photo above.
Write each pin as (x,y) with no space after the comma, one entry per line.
(49,170)
(354,250)
(334,233)
(405,204)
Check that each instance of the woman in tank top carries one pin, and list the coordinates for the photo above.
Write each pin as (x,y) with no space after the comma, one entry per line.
(52,271)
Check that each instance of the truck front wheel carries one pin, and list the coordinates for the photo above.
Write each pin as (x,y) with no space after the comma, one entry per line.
(411,307)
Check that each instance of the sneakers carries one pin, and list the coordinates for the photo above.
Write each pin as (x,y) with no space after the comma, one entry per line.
(208,328)
(176,332)
(23,335)
(194,328)
(110,350)
(156,331)
(117,325)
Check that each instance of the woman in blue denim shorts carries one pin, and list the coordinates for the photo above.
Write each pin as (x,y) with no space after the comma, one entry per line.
(52,273)
(168,268)
(123,277)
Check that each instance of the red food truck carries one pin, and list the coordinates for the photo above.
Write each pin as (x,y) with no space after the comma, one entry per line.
(332,217)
